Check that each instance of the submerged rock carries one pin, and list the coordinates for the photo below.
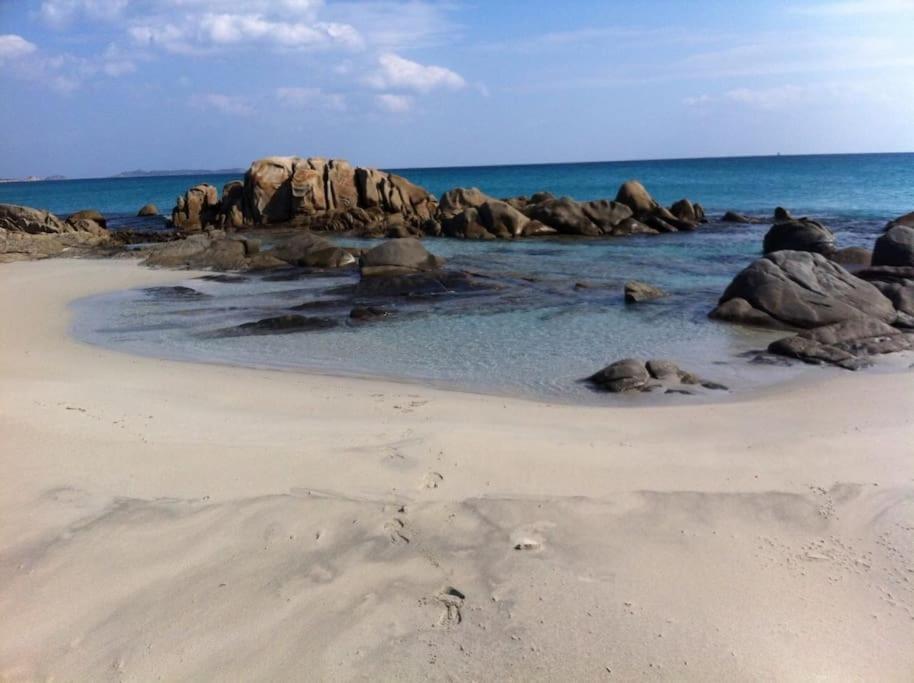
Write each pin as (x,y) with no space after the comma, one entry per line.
(283,324)
(734,217)
(636,292)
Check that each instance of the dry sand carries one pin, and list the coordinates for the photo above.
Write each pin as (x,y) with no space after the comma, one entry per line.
(161,520)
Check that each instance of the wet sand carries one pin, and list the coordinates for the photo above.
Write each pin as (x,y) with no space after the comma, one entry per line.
(184,521)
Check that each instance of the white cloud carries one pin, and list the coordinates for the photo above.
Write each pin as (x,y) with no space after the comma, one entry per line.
(395,72)
(62,12)
(14,47)
(396,104)
(310,98)
(856,8)
(225,104)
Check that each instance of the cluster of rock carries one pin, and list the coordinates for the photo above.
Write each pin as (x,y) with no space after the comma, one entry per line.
(315,193)
(844,317)
(333,196)
(631,375)
(27,233)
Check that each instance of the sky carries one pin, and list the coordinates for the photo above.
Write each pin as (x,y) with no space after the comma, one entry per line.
(96,87)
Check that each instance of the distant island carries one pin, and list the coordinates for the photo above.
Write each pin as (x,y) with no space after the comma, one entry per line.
(139,173)
(32,179)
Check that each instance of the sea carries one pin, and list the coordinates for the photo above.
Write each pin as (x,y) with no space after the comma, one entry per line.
(542,334)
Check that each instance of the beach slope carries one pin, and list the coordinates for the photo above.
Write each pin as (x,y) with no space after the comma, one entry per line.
(189,522)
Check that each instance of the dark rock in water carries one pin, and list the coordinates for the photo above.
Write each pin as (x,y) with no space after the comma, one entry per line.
(781,215)
(501,219)
(631,226)
(800,289)
(766,358)
(846,344)
(636,197)
(417,285)
(896,246)
(636,292)
(148,210)
(456,201)
(853,256)
(896,283)
(624,375)
(368,313)
(225,279)
(605,214)
(321,305)
(283,324)
(714,386)
(733,217)
(466,224)
(398,257)
(799,235)
(311,251)
(686,211)
(176,292)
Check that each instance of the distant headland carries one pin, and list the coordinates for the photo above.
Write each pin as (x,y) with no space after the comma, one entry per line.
(140,173)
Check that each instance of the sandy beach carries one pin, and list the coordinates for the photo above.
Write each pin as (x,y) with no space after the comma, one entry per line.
(173,521)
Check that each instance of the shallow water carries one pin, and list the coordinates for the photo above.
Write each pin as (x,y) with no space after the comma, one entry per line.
(539,335)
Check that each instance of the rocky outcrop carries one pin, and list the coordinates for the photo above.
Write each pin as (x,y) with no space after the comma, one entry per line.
(802,290)
(311,251)
(631,374)
(636,292)
(148,210)
(27,233)
(895,282)
(196,209)
(798,234)
(683,215)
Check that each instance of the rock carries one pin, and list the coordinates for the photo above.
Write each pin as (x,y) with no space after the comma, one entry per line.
(368,313)
(28,220)
(636,197)
(311,251)
(853,256)
(148,210)
(801,289)
(907,219)
(636,292)
(284,324)
(92,215)
(846,344)
(896,246)
(738,310)
(896,283)
(455,201)
(733,217)
(668,371)
(196,209)
(605,214)
(232,205)
(686,211)
(631,226)
(564,215)
(399,256)
(501,219)
(416,285)
(177,254)
(628,374)
(782,215)
(466,224)
(799,235)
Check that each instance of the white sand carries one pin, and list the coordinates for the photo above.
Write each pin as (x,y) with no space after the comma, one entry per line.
(191,522)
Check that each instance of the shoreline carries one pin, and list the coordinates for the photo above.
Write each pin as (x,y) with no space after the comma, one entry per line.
(164,518)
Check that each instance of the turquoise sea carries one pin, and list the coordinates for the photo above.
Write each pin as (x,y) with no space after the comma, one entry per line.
(541,334)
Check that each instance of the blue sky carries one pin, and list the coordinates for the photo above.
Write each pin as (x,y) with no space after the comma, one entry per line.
(94,87)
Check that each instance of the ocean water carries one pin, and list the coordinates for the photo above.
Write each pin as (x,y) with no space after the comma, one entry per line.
(538,334)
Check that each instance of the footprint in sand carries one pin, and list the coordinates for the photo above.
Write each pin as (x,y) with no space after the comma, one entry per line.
(432,480)
(396,529)
(452,600)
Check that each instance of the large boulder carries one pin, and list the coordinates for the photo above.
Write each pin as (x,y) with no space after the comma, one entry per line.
(400,256)
(148,210)
(895,282)
(312,251)
(798,234)
(800,289)
(454,202)
(33,221)
(232,204)
(564,215)
(628,374)
(93,215)
(896,246)
(606,215)
(501,219)
(196,209)
(636,197)
(466,224)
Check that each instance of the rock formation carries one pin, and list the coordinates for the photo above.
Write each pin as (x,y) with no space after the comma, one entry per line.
(631,374)
(27,233)
(798,234)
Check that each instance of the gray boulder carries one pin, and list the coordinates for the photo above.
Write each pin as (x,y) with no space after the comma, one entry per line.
(455,201)
(853,257)
(466,224)
(847,344)
(605,214)
(800,289)
(502,219)
(564,215)
(734,217)
(32,221)
(896,283)
(799,235)
(399,257)
(624,375)
(311,251)
(896,246)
